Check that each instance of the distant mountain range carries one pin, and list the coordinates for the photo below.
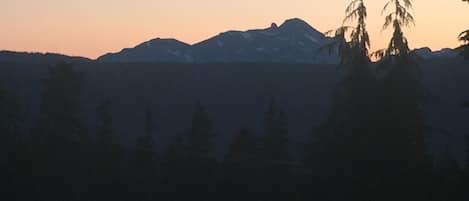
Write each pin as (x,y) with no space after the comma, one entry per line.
(27,57)
(235,93)
(295,41)
(427,53)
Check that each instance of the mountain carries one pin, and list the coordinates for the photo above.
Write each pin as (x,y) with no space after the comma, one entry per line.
(22,57)
(427,53)
(295,41)
(156,50)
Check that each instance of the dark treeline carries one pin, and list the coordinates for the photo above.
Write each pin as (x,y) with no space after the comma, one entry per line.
(371,146)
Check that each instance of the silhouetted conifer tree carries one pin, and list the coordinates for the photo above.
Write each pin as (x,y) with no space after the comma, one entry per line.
(447,179)
(176,170)
(401,143)
(244,148)
(105,134)
(191,159)
(241,169)
(201,135)
(10,116)
(13,164)
(464,48)
(276,135)
(341,151)
(107,172)
(177,150)
(60,120)
(147,168)
(61,137)
(276,159)
(146,147)
(467,149)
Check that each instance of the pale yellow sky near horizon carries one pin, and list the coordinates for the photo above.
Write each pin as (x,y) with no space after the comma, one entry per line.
(92,28)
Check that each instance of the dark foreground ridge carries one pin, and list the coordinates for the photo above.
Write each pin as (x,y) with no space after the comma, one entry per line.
(160,131)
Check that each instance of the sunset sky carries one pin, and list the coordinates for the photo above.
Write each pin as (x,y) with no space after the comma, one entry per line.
(91,28)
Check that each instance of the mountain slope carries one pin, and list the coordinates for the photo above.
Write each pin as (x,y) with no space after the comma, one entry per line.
(156,50)
(28,57)
(294,41)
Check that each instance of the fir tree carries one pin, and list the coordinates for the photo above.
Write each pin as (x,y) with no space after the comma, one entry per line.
(105,132)
(10,115)
(360,40)
(400,123)
(241,168)
(398,18)
(201,135)
(61,157)
(276,161)
(60,121)
(243,149)
(13,166)
(146,164)
(198,156)
(276,135)
(464,48)
(340,153)
(107,155)
(146,149)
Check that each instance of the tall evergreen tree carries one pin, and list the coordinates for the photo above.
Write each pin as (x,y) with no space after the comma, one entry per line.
(467,150)
(13,167)
(146,147)
(146,163)
(201,135)
(10,116)
(241,169)
(402,83)
(276,135)
(464,48)
(400,141)
(340,153)
(360,40)
(176,169)
(243,149)
(199,157)
(177,150)
(398,18)
(61,136)
(107,171)
(60,122)
(276,161)
(464,38)
(105,131)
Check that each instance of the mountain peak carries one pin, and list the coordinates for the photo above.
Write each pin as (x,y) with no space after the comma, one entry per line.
(161,42)
(296,21)
(295,41)
(273,25)
(427,53)
(297,24)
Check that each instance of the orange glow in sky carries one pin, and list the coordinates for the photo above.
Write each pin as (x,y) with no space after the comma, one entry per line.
(91,28)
